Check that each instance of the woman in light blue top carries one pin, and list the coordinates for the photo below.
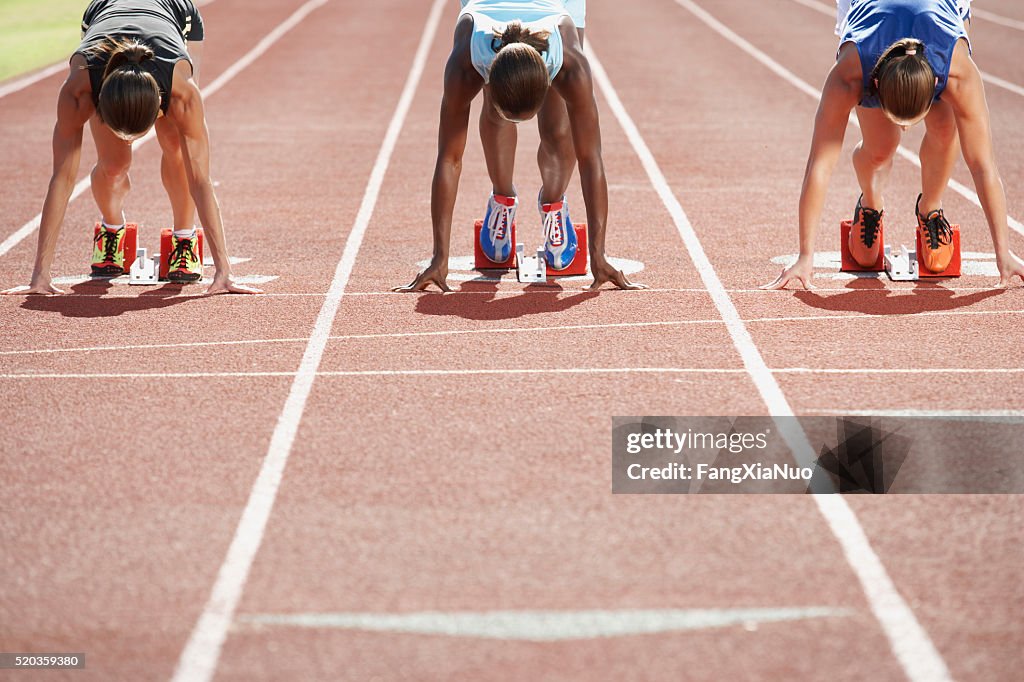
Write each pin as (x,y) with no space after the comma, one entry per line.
(527,58)
(901,62)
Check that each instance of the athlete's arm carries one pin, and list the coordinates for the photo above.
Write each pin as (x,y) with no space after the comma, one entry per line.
(461,85)
(966,94)
(575,84)
(74,107)
(838,98)
(187,113)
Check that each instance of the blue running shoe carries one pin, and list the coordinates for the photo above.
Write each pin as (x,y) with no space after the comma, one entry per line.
(559,236)
(496,237)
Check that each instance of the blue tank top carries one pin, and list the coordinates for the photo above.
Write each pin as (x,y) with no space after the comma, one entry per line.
(876,24)
(491,15)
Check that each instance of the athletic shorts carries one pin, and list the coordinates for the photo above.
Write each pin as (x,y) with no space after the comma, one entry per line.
(843,11)
(576,9)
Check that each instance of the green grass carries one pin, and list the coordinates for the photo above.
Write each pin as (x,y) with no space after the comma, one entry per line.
(36,33)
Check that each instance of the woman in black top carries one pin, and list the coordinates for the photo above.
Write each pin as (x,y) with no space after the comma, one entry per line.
(135,69)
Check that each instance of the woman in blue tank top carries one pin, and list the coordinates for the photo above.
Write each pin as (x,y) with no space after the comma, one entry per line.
(135,70)
(901,62)
(526,56)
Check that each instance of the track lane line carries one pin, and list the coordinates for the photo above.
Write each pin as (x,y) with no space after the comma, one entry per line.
(908,640)
(809,90)
(997,18)
(513,330)
(223,79)
(198,660)
(822,8)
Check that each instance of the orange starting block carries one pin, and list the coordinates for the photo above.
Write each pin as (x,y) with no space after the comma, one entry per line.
(891,262)
(482,262)
(128,244)
(851,265)
(165,249)
(953,269)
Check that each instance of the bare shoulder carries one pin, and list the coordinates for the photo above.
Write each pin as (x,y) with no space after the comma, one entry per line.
(185,94)
(962,69)
(848,72)
(75,98)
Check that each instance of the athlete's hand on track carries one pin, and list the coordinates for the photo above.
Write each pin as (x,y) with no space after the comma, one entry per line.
(801,271)
(436,273)
(1010,267)
(603,271)
(36,288)
(225,285)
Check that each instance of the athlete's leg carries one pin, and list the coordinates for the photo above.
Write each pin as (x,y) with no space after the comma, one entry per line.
(499,141)
(873,156)
(556,155)
(110,181)
(939,150)
(172,172)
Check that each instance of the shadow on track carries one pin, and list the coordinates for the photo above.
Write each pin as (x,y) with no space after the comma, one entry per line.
(87,300)
(870,296)
(536,299)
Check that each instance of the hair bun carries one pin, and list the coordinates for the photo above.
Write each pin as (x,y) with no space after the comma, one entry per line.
(515,32)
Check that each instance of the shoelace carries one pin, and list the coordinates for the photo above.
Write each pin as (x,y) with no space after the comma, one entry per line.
(938,229)
(181,253)
(869,231)
(110,243)
(500,224)
(553,229)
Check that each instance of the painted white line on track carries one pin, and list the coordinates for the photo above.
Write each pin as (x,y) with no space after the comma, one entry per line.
(14,86)
(830,10)
(997,18)
(198,661)
(223,79)
(808,89)
(907,638)
(994,416)
(514,330)
(544,626)
(866,371)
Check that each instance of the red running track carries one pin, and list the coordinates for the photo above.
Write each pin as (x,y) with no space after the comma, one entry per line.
(136,424)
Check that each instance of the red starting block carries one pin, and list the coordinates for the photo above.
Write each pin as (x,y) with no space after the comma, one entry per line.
(482,262)
(953,269)
(165,249)
(577,267)
(851,265)
(128,244)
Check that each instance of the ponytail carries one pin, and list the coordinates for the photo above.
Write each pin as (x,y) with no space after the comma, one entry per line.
(129,99)
(515,32)
(903,80)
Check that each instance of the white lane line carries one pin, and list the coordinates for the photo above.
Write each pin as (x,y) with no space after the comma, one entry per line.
(14,86)
(544,626)
(514,330)
(908,639)
(865,371)
(791,78)
(381,372)
(830,11)
(997,18)
(994,416)
(246,60)
(198,661)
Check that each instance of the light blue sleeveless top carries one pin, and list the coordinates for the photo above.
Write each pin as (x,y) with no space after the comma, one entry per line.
(874,25)
(491,15)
